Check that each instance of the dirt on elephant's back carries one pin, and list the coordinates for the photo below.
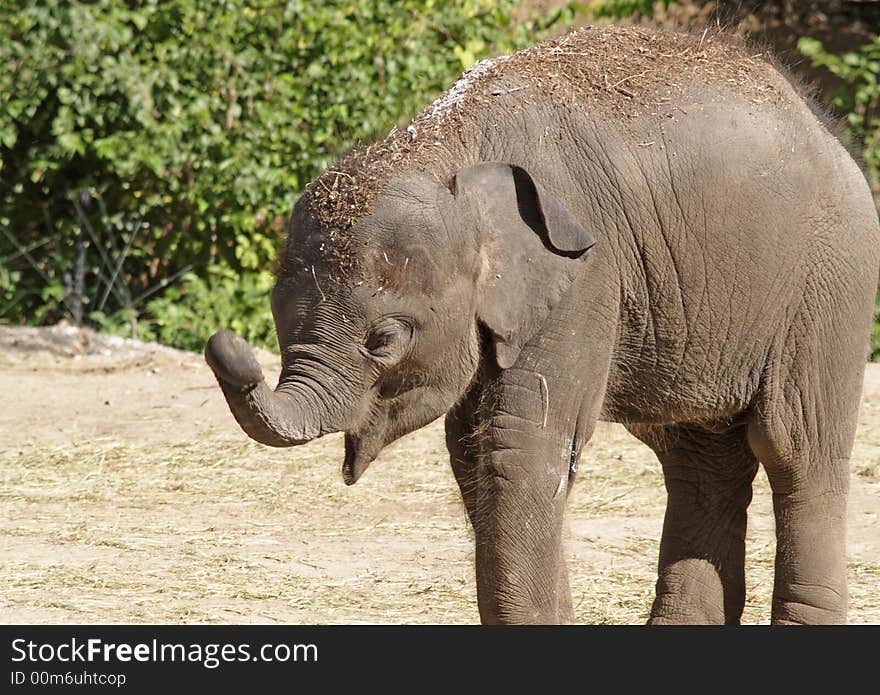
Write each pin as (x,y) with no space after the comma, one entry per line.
(130,495)
(619,71)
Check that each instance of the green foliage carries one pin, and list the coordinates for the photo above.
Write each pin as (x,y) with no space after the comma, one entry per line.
(198,124)
(187,314)
(616,9)
(860,101)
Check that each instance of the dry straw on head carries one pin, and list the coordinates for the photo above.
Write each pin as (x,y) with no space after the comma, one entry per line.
(619,73)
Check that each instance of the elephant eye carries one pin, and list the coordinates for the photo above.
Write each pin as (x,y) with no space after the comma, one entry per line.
(377,341)
(388,340)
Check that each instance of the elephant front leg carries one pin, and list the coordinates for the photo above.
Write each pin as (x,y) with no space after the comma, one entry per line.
(521,490)
(514,491)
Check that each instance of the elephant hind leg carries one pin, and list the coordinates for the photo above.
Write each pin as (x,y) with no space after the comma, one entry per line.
(809,481)
(708,475)
(802,429)
(804,440)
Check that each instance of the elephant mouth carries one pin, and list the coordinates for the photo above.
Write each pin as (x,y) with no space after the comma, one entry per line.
(360,452)
(366,440)
(390,419)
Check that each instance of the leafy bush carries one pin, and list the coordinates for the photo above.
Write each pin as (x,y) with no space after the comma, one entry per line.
(860,102)
(150,150)
(187,313)
(190,128)
(617,9)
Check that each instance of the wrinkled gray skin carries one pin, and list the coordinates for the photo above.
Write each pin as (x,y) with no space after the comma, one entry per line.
(711,291)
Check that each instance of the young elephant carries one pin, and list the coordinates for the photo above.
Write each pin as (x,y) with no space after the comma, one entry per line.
(645,228)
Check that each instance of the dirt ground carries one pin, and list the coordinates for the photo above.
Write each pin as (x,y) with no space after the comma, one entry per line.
(129,495)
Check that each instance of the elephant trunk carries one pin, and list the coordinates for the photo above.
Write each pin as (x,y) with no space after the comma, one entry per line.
(280,417)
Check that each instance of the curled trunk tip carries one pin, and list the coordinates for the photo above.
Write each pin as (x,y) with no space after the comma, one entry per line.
(232,360)
(289,415)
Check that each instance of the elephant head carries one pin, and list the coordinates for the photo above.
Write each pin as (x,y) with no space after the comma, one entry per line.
(384,324)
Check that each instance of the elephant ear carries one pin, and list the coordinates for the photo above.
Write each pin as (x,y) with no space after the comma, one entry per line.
(532,247)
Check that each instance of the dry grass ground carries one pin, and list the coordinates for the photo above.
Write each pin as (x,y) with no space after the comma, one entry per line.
(128,494)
